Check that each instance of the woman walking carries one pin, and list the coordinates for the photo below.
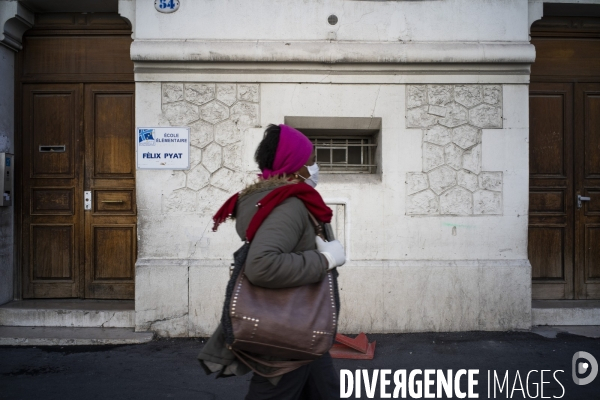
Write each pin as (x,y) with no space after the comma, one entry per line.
(284,253)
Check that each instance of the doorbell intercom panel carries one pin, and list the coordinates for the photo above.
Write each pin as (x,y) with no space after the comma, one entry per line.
(7,163)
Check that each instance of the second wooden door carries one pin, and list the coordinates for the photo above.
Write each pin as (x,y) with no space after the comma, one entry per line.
(564,210)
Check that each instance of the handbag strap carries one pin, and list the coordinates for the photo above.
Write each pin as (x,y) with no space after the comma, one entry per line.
(283,367)
(318,226)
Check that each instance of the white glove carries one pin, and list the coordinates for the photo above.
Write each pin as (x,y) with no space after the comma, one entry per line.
(333,251)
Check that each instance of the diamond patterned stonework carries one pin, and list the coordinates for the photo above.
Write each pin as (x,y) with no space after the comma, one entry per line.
(198,178)
(468,180)
(425,202)
(420,117)
(466,136)
(441,179)
(491,181)
(451,118)
(492,94)
(416,182)
(227,132)
(195,157)
(232,156)
(218,115)
(456,201)
(180,113)
(455,115)
(416,96)
(440,95)
(487,202)
(245,114)
(226,93)
(453,156)
(438,135)
(172,92)
(433,156)
(248,92)
(468,95)
(472,159)
(199,93)
(227,180)
(214,112)
(486,116)
(202,134)
(212,157)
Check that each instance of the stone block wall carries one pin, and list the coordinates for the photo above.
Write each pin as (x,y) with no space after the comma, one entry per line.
(218,116)
(452,118)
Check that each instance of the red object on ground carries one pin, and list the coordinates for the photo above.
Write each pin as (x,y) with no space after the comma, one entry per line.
(358,348)
(359,343)
(341,351)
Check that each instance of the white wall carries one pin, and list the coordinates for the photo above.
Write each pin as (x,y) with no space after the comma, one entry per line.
(389,21)
(7,59)
(472,268)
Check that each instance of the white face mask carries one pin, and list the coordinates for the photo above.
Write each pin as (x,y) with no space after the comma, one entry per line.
(313,179)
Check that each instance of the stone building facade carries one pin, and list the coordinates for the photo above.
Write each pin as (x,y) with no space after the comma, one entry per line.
(436,236)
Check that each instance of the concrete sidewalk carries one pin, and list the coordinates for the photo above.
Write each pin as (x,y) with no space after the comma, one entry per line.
(167,368)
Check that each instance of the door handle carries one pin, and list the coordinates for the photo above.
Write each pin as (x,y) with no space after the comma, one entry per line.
(580,199)
(87,200)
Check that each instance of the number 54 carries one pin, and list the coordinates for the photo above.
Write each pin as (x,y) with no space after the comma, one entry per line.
(167,4)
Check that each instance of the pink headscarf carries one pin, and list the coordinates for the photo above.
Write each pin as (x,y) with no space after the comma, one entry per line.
(293,151)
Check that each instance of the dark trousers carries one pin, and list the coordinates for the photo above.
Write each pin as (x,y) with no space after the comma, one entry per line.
(315,381)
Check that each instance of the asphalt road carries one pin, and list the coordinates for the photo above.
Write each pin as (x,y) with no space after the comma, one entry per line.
(167,368)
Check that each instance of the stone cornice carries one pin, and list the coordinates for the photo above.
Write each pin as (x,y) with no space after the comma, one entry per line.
(14,21)
(331,52)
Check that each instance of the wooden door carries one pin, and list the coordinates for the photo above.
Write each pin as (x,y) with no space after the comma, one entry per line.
(564,151)
(110,226)
(78,138)
(52,186)
(551,210)
(587,183)
(75,77)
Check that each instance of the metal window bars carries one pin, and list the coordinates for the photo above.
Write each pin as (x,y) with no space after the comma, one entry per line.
(345,154)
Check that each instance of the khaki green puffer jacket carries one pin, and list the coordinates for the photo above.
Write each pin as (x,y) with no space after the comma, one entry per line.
(282,254)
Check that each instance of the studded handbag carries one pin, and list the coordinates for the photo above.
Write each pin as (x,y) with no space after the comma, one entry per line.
(295,324)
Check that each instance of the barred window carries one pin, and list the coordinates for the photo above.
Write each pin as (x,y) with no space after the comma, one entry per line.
(345,154)
(346,145)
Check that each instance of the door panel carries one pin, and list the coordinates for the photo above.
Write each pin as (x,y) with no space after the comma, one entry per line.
(113,249)
(587,180)
(110,226)
(52,201)
(53,125)
(547,126)
(114,201)
(551,190)
(52,216)
(113,146)
(592,254)
(546,246)
(52,251)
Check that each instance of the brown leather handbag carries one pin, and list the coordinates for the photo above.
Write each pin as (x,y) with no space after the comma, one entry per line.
(298,323)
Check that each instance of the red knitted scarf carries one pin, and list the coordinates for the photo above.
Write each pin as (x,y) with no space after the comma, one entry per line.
(309,196)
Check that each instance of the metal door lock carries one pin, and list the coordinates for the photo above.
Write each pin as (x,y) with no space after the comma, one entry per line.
(580,199)
(87,200)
